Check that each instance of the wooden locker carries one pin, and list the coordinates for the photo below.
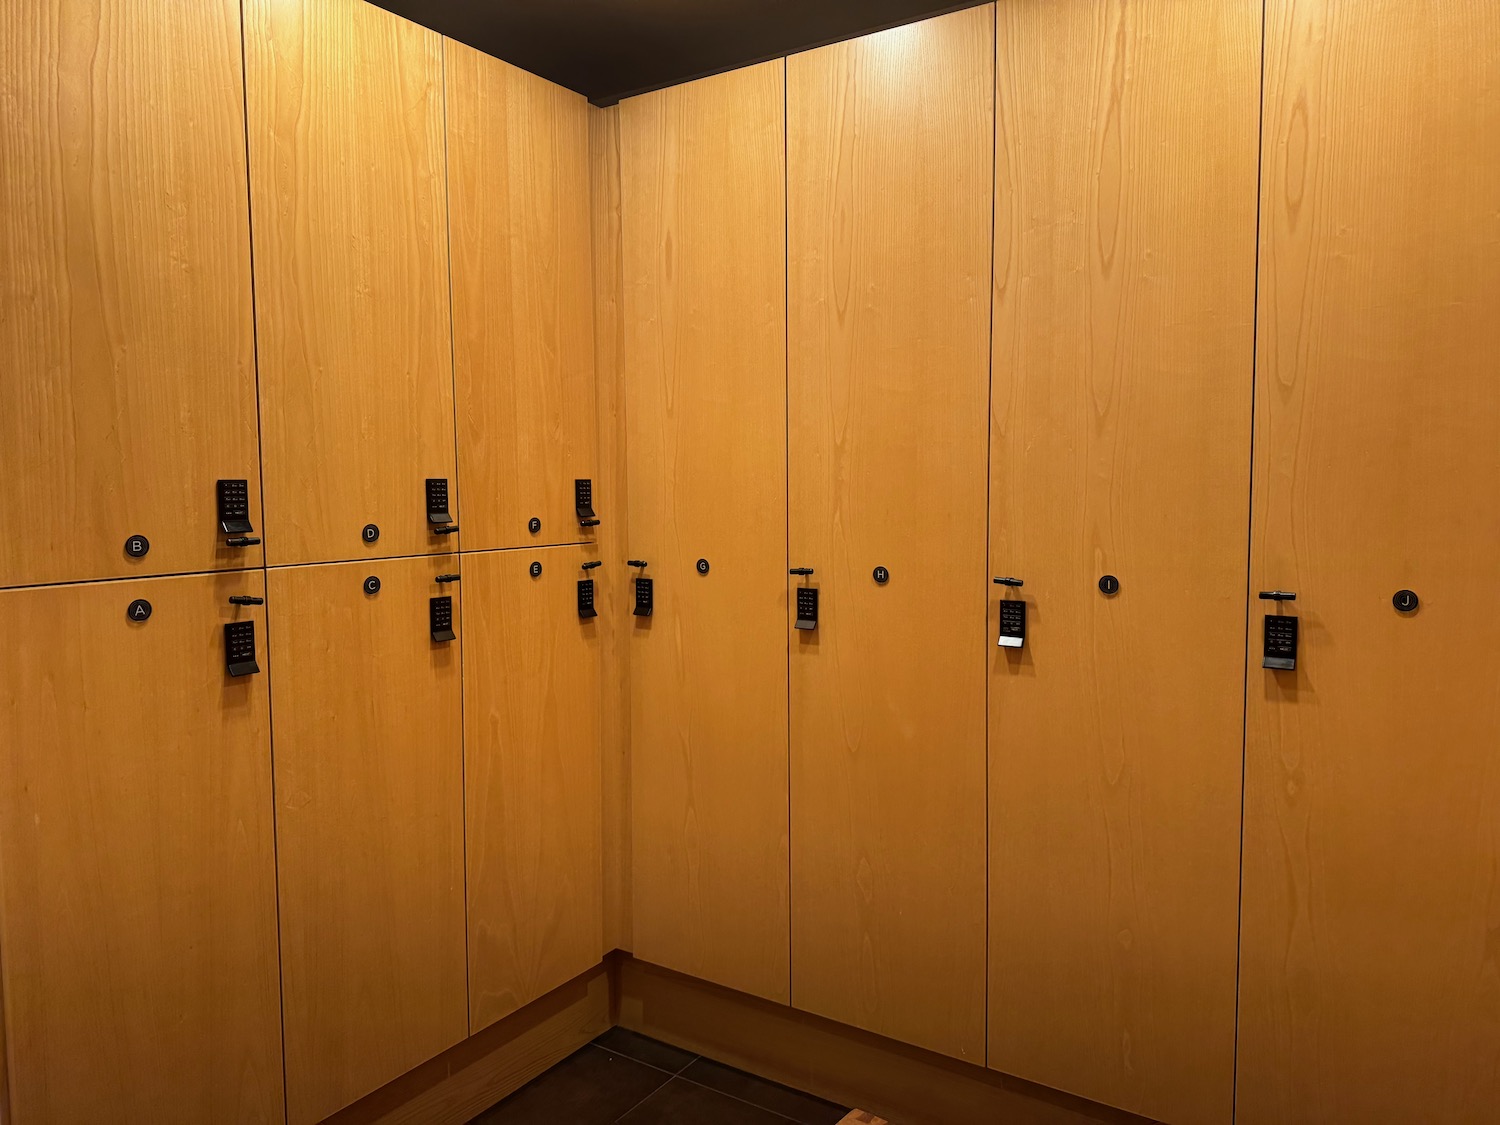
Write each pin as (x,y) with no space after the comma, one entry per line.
(531,776)
(349,214)
(704,229)
(523,318)
(1369,988)
(125,327)
(369,825)
(138,898)
(890,159)
(1127,142)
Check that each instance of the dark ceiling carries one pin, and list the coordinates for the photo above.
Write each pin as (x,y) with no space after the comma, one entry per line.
(608,49)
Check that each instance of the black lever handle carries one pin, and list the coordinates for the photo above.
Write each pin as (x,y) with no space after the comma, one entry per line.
(245,599)
(243,541)
(588,523)
(802,570)
(446,578)
(1277,596)
(1009,582)
(635,562)
(445,529)
(592,563)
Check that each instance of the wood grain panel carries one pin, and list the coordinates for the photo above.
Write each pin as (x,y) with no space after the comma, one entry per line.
(125,325)
(614,626)
(347,188)
(704,228)
(890,145)
(523,323)
(531,778)
(138,907)
(1127,139)
(1370,980)
(369,827)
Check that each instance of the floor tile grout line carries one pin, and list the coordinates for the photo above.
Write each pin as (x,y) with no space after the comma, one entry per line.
(649,1096)
(682,1075)
(631,1058)
(744,1101)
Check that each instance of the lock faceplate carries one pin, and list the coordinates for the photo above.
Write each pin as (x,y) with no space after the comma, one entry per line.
(239,648)
(1280,648)
(234,507)
(440,617)
(1012,623)
(807,607)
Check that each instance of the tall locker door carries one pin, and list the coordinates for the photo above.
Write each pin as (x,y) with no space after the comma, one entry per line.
(349,214)
(704,231)
(125,328)
(1369,988)
(369,825)
(1127,141)
(889,149)
(523,315)
(138,896)
(531,775)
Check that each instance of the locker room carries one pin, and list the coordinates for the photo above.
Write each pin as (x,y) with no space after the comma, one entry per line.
(646,563)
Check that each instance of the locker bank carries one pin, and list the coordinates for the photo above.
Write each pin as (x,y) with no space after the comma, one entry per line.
(744,563)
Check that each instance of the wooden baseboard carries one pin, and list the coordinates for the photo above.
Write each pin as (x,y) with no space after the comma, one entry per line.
(472,1076)
(885,1079)
(906,1085)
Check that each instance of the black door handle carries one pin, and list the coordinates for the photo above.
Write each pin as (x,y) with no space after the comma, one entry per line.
(245,599)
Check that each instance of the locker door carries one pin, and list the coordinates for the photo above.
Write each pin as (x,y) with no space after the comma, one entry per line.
(137,904)
(523,316)
(369,826)
(890,146)
(532,777)
(704,229)
(1369,989)
(347,192)
(1127,140)
(125,328)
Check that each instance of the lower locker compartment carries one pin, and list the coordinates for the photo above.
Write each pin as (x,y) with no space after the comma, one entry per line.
(369,824)
(137,901)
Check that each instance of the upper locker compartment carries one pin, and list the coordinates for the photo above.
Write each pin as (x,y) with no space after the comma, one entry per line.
(704,249)
(128,385)
(139,884)
(889,158)
(523,328)
(351,265)
(1123,341)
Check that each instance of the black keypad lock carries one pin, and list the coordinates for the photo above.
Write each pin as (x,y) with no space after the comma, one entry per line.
(437,501)
(583,501)
(239,648)
(807,607)
(1280,650)
(1012,623)
(586,598)
(440,617)
(234,507)
(644,597)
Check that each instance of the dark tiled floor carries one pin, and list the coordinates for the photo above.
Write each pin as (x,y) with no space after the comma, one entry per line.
(626,1078)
